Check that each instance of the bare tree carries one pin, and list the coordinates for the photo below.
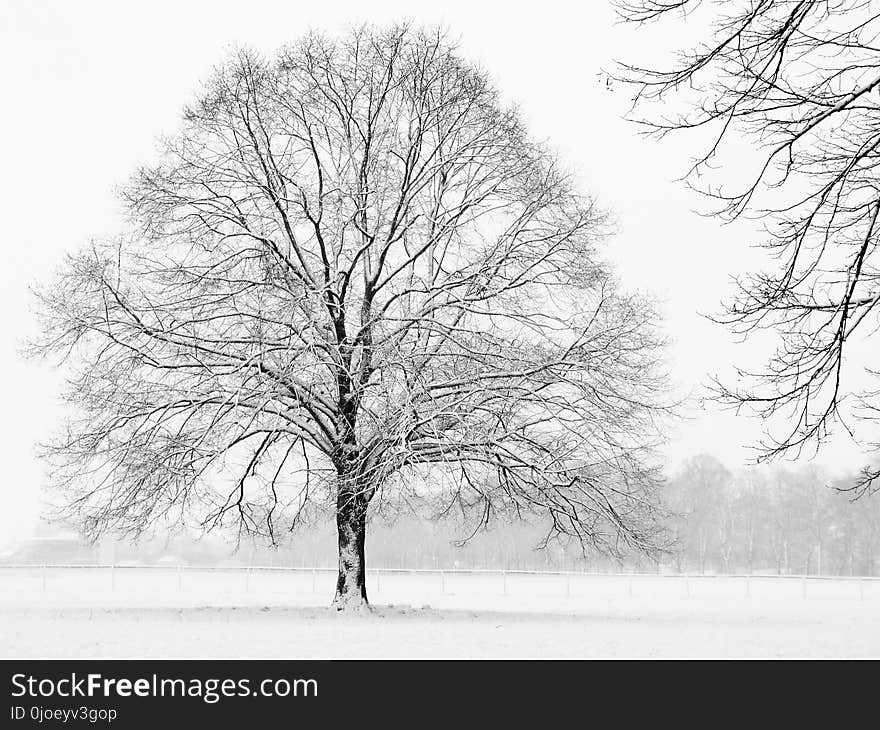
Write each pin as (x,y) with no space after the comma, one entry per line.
(699,494)
(352,279)
(801,81)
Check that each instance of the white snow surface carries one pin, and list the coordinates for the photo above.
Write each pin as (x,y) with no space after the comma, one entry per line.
(138,612)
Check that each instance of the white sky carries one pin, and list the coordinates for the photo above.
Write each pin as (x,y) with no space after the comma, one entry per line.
(87,87)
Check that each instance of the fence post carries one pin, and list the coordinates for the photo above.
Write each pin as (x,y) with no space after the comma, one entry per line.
(504,582)
(378,581)
(314,580)
(861,589)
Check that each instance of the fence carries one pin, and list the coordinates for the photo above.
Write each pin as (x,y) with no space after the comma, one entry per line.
(409,584)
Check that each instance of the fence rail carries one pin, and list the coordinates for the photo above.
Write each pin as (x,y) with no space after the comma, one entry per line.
(435,571)
(19,580)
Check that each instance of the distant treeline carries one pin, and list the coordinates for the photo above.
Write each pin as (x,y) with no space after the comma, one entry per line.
(755,520)
(780,520)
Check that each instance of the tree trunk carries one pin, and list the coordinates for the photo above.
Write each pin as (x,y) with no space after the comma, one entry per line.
(351,527)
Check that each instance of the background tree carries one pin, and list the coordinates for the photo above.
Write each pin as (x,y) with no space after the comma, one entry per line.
(800,81)
(352,279)
(752,505)
(700,496)
(761,519)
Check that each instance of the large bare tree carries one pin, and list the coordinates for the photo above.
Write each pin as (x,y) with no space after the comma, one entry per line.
(797,81)
(353,279)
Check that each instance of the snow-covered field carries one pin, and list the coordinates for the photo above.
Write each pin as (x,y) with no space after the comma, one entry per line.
(134,612)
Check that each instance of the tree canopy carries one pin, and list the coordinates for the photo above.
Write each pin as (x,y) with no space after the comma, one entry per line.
(797,82)
(353,278)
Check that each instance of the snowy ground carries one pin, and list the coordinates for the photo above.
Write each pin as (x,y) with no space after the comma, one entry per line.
(169,613)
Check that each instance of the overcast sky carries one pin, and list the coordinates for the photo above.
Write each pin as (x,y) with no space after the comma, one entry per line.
(87,88)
